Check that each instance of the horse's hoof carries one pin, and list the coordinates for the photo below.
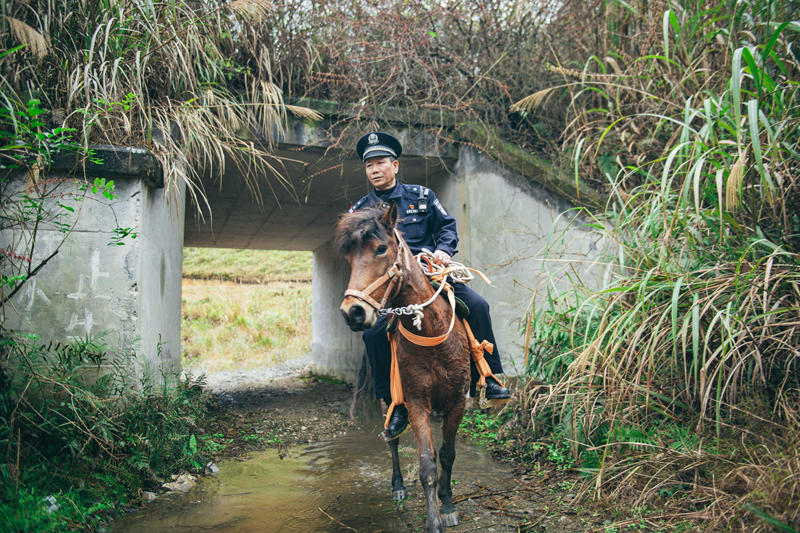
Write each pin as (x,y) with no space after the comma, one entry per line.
(399,495)
(450,519)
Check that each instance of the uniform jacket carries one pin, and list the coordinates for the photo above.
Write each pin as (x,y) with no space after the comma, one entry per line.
(422,220)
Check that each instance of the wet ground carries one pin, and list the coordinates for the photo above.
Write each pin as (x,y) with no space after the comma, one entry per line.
(324,486)
(293,461)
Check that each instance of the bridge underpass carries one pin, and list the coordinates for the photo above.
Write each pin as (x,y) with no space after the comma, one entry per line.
(131,294)
(261,212)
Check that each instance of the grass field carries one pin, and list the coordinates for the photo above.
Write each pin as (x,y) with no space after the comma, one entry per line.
(256,323)
(256,266)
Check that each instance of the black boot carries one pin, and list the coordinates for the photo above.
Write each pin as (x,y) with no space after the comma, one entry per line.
(398,423)
(494,394)
(495,391)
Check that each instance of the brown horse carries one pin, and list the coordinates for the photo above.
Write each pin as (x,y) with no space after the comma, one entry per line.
(383,272)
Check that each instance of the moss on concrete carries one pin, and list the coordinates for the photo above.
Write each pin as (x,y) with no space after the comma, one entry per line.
(530,166)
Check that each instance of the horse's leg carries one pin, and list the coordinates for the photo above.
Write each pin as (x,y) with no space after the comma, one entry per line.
(398,489)
(447,455)
(421,424)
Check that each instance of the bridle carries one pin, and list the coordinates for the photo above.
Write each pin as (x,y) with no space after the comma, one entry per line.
(392,276)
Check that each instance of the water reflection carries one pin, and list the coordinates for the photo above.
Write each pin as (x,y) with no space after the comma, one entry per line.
(347,478)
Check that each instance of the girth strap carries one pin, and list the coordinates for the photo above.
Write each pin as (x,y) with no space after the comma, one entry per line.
(395,385)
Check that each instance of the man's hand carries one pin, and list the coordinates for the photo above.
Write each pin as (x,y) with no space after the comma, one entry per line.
(441,258)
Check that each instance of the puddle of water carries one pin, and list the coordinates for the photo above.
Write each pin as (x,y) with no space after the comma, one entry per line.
(348,477)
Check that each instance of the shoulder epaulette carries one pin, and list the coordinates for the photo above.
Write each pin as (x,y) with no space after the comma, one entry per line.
(358,204)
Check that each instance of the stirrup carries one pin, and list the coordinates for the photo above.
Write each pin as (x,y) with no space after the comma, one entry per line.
(482,402)
(385,438)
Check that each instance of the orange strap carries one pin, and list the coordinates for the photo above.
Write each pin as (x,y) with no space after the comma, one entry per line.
(395,385)
(477,349)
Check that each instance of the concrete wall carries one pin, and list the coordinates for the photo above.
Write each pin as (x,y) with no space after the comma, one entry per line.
(160,273)
(506,226)
(513,230)
(335,350)
(128,295)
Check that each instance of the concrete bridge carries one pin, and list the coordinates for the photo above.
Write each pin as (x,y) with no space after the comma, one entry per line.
(131,293)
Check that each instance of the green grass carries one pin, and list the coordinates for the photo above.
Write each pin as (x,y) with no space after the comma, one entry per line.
(485,427)
(254,266)
(233,326)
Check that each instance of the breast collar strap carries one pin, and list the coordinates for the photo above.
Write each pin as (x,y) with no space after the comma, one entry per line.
(419,340)
(392,276)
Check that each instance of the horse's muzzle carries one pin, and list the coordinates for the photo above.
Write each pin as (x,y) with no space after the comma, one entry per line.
(357,316)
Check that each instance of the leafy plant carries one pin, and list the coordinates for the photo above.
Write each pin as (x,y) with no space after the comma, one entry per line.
(80,439)
(183,79)
(691,337)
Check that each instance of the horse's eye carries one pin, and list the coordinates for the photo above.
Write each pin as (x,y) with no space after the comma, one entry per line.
(380,250)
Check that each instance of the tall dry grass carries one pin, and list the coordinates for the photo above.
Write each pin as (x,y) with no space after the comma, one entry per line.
(190,81)
(230,326)
(262,320)
(696,330)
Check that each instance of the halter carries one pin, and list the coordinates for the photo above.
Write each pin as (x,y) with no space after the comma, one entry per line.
(392,275)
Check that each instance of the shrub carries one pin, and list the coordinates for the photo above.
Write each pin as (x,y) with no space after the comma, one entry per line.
(78,448)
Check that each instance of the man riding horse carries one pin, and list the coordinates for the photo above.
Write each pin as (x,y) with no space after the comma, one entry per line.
(426,224)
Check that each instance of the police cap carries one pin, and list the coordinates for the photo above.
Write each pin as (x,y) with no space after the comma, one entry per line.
(378,144)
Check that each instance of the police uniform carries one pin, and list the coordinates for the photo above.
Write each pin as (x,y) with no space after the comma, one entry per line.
(424,223)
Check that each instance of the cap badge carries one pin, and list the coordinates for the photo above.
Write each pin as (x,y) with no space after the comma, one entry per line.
(372,139)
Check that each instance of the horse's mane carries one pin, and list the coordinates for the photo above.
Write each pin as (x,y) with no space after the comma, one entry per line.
(354,230)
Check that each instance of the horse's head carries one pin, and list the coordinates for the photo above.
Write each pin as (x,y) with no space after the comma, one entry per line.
(368,241)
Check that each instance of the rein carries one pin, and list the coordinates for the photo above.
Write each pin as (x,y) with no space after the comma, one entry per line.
(419,340)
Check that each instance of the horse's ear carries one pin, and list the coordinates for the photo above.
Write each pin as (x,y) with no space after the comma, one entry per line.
(389,218)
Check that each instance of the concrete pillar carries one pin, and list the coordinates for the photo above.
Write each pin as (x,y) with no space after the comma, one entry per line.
(159,274)
(127,295)
(335,349)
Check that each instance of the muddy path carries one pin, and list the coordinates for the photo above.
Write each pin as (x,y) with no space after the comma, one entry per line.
(292,460)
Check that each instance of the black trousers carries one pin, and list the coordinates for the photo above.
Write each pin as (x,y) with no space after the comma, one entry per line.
(379,353)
